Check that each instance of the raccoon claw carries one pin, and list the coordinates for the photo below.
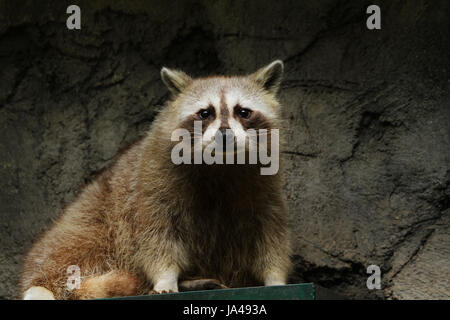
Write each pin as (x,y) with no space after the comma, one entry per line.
(160,292)
(201,284)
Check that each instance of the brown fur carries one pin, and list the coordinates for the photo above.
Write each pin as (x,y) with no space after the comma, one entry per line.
(145,214)
(224,113)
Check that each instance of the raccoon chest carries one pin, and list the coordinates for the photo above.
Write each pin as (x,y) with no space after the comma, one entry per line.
(220,246)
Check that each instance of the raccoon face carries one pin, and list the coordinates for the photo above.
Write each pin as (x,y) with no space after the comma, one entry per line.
(226,107)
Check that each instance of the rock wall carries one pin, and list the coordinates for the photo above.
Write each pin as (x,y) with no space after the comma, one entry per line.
(367,120)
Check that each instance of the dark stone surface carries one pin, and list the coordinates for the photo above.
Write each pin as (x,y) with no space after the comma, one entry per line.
(367,120)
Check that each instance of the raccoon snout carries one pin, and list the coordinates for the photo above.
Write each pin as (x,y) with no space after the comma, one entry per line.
(227,136)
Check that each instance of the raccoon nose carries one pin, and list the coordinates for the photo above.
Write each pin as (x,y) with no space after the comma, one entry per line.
(227,136)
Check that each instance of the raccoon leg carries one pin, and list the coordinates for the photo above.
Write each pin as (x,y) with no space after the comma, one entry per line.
(162,258)
(272,266)
(163,269)
(275,278)
(112,284)
(200,284)
(272,263)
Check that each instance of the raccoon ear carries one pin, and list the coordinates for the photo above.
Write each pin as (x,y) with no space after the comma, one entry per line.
(175,80)
(269,77)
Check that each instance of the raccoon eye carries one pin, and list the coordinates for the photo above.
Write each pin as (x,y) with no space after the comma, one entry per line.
(244,113)
(204,113)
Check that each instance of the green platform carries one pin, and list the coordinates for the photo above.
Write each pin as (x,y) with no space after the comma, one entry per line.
(303,291)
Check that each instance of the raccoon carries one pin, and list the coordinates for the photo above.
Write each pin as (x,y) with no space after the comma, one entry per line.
(147,225)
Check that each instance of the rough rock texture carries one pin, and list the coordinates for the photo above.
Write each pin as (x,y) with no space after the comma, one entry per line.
(367,120)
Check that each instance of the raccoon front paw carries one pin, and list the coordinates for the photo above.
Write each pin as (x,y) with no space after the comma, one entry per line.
(165,286)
